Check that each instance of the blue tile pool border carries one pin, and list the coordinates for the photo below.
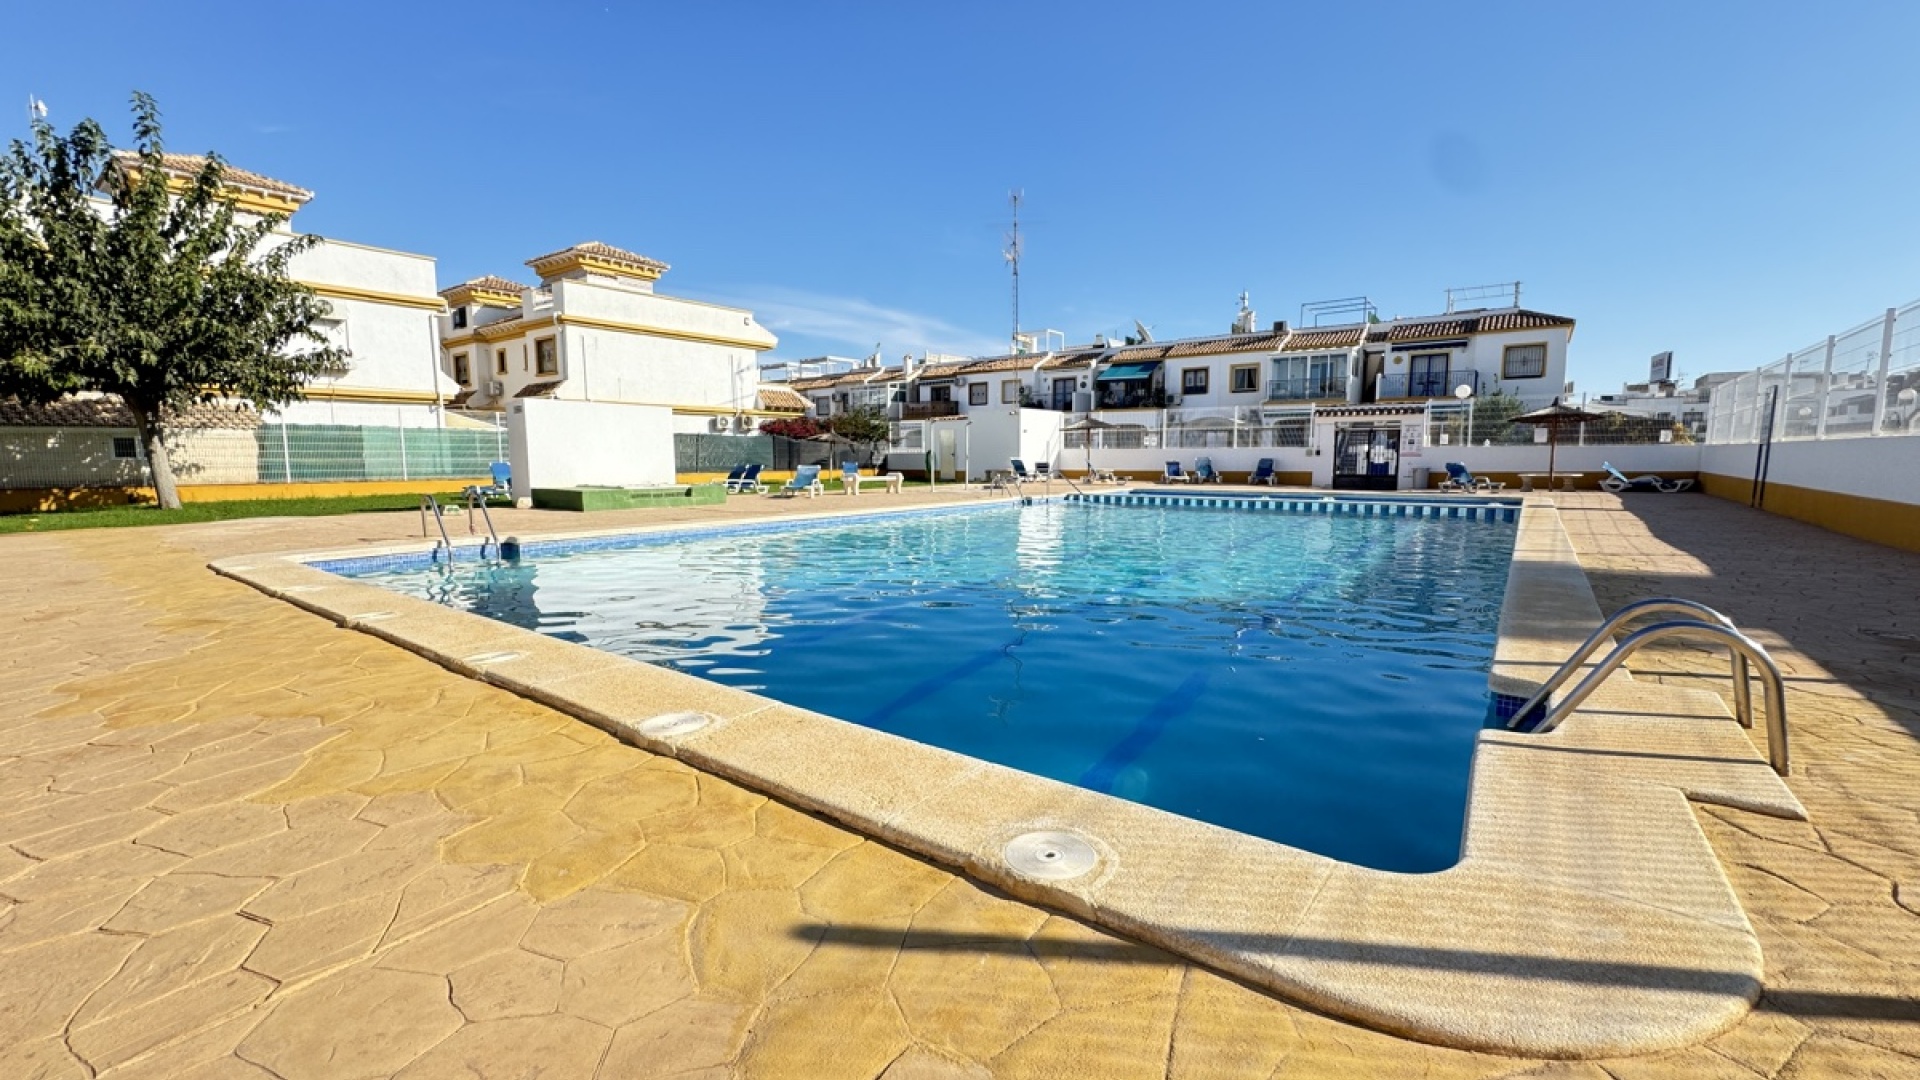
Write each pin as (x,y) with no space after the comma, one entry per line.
(1496,511)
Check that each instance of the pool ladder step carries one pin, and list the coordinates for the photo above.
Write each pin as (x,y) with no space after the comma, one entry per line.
(474,500)
(1701,624)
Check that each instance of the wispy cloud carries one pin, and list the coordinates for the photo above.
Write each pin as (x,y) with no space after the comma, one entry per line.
(855,325)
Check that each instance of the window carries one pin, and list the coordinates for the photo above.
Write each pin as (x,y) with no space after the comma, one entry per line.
(1524,361)
(1009,391)
(124,447)
(1427,375)
(500,361)
(546,357)
(460,318)
(1245,378)
(977,394)
(1302,378)
(462,370)
(1194,380)
(942,392)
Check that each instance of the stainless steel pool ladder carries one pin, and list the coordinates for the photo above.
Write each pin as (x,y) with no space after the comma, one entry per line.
(429,503)
(1706,624)
(477,501)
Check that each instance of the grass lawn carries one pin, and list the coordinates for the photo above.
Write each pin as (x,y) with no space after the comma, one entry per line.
(121,516)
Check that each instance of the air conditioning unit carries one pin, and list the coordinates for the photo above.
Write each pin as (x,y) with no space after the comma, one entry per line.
(720,424)
(496,388)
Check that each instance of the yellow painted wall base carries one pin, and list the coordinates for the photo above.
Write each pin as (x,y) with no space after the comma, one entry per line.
(27,500)
(1882,521)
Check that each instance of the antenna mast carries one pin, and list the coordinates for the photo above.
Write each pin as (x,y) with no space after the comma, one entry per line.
(1012,254)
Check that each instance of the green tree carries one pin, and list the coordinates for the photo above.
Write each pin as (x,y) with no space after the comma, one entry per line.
(165,298)
(867,425)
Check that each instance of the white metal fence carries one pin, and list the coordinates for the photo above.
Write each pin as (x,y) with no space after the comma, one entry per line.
(1859,382)
(1479,422)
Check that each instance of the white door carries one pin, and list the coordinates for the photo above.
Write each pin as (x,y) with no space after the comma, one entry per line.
(946,451)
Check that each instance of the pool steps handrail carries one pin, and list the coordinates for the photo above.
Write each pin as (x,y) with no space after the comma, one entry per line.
(1745,650)
(475,500)
(429,503)
(1742,693)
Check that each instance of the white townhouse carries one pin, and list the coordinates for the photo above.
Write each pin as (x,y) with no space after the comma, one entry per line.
(382,305)
(594,329)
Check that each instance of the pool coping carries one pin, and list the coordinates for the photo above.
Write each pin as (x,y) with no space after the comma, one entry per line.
(1587,916)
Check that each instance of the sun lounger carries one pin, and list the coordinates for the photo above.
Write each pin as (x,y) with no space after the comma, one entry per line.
(1204,472)
(501,488)
(749,481)
(1173,475)
(1618,482)
(1263,473)
(1459,478)
(805,479)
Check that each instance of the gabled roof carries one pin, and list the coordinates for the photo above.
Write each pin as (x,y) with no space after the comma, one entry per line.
(594,255)
(1263,341)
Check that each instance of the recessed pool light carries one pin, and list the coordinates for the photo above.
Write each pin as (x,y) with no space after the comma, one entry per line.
(1051,855)
(674,724)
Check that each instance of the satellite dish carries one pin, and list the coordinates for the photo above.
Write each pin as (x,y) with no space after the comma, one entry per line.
(1463,391)
(1145,331)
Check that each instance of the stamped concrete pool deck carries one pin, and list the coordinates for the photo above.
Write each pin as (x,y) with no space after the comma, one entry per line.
(241,841)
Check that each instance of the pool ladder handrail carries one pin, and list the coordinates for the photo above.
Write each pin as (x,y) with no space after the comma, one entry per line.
(475,500)
(1743,649)
(428,502)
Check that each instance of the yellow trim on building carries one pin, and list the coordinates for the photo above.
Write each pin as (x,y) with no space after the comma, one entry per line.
(568,262)
(248,199)
(467,294)
(372,296)
(372,394)
(50,499)
(660,331)
(1883,521)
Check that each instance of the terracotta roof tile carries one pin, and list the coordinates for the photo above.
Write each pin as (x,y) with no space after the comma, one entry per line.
(596,249)
(779,398)
(491,283)
(1520,320)
(1429,329)
(538,389)
(189,166)
(106,410)
(1332,337)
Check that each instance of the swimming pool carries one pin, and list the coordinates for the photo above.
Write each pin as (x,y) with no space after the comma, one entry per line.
(1317,679)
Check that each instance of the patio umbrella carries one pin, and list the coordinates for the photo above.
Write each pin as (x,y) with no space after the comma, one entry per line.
(1554,417)
(1088,424)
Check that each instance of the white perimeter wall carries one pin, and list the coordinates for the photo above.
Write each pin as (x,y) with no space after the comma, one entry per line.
(1632,460)
(554,443)
(1876,467)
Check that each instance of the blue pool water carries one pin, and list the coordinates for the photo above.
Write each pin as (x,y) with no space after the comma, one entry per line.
(1314,679)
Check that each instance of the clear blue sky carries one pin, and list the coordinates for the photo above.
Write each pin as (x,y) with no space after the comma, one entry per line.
(1729,181)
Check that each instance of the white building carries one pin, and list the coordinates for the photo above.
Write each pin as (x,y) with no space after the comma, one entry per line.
(383,310)
(594,329)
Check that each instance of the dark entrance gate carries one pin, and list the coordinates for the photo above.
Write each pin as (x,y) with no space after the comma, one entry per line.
(1366,458)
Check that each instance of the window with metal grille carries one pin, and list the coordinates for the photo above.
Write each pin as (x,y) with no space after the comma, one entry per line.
(546,357)
(1193,380)
(1524,361)
(125,447)
(977,394)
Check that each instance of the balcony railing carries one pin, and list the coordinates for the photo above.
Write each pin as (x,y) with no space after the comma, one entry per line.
(1430,384)
(1308,388)
(927,410)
